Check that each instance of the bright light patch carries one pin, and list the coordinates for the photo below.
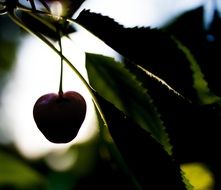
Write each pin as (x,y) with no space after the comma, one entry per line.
(199,176)
(63,160)
(56,9)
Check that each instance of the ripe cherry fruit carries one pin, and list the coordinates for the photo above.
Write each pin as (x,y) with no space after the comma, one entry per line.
(60,116)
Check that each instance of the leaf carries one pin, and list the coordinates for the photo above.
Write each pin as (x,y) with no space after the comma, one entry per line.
(174,109)
(193,129)
(114,82)
(170,104)
(205,95)
(203,42)
(150,48)
(15,173)
(149,163)
(152,78)
(186,180)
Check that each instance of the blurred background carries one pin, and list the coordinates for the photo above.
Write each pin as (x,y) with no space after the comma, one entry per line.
(29,69)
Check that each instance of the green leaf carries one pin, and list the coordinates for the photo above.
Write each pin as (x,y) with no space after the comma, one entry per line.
(145,158)
(17,174)
(151,48)
(189,186)
(205,95)
(203,42)
(116,84)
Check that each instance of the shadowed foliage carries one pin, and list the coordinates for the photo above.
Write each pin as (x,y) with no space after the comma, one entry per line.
(151,48)
(161,103)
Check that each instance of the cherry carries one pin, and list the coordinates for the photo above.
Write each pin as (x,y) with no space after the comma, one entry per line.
(60,116)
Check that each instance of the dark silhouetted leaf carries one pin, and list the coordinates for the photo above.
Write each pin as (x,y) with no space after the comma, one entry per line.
(204,44)
(200,84)
(152,49)
(201,124)
(193,129)
(145,157)
(114,82)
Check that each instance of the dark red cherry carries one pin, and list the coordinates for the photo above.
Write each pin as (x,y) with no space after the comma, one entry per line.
(59,117)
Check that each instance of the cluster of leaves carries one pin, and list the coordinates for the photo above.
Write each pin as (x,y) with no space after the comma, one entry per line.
(157,101)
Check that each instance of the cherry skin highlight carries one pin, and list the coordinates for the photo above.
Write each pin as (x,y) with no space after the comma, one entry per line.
(60,116)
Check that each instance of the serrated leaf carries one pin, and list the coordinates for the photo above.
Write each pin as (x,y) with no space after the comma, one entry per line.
(203,42)
(155,79)
(150,48)
(186,181)
(114,82)
(205,95)
(188,124)
(197,137)
(148,162)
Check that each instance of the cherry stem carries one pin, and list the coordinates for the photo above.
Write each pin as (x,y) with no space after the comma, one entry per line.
(60,92)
